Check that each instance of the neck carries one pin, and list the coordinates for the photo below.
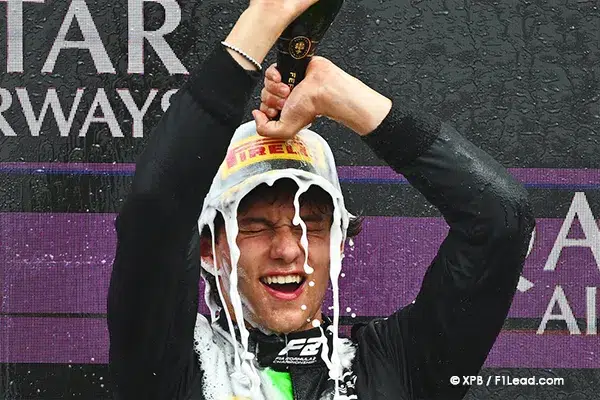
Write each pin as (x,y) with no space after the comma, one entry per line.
(257,328)
(254,326)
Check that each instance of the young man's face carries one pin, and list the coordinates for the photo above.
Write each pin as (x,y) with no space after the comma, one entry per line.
(270,254)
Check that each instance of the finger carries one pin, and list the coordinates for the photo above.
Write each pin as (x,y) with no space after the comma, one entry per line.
(273,74)
(278,89)
(264,126)
(270,112)
(261,120)
(263,108)
(268,128)
(270,100)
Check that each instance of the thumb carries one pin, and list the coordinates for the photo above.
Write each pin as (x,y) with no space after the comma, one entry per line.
(264,126)
(286,127)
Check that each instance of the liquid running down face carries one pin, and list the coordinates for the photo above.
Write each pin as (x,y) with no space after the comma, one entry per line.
(253,160)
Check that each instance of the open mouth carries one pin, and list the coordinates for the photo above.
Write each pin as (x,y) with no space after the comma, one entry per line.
(284,286)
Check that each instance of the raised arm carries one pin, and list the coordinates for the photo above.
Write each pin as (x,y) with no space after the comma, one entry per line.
(153,294)
(468,289)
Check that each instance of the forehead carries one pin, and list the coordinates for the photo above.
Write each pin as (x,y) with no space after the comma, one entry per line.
(281,208)
(265,198)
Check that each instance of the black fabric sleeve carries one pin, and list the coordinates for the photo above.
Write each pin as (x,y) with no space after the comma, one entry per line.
(468,288)
(153,293)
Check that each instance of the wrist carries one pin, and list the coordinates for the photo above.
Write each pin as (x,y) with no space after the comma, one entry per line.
(376,108)
(354,104)
(255,32)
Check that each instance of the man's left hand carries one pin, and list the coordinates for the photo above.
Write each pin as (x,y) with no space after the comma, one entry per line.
(298,108)
(326,90)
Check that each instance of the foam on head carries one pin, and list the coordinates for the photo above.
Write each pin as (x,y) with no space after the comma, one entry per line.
(252,160)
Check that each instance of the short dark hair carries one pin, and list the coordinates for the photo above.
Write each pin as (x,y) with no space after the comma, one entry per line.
(315,196)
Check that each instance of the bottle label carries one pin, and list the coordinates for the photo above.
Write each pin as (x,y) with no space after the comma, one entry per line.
(300,47)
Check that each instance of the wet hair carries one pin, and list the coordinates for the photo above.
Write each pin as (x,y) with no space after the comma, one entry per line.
(282,189)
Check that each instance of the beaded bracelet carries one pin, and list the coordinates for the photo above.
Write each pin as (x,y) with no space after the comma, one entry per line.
(246,56)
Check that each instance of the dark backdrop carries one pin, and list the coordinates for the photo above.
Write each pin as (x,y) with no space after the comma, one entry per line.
(519,78)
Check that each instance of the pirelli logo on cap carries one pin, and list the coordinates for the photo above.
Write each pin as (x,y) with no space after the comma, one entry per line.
(257,148)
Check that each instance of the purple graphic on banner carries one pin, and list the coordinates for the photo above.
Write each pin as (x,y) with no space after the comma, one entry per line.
(55,262)
(526,350)
(532,177)
(68,168)
(53,340)
(61,264)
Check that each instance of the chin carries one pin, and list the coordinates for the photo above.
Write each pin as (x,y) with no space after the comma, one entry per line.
(285,326)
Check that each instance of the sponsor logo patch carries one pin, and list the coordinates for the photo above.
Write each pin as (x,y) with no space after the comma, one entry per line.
(304,351)
(257,148)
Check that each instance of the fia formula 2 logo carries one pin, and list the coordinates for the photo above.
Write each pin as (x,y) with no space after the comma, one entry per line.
(302,347)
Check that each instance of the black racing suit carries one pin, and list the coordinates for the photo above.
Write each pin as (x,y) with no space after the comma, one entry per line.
(448,330)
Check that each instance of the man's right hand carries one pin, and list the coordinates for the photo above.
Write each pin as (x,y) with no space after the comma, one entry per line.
(326,90)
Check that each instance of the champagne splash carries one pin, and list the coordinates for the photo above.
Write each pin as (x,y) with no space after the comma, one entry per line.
(250,161)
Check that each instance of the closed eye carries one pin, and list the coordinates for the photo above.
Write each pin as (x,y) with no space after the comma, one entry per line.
(255,228)
(254,225)
(250,231)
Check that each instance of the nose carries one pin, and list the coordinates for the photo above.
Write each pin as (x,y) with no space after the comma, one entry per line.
(285,245)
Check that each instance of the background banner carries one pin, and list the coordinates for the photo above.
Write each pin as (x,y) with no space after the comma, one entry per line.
(82,83)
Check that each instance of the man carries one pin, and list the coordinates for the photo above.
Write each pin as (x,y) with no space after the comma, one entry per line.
(273,224)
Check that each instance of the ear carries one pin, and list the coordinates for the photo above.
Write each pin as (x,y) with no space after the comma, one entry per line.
(206,251)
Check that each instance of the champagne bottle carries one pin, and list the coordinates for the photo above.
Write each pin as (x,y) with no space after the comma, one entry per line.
(299,41)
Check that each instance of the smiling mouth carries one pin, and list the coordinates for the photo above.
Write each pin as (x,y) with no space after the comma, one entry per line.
(286,285)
